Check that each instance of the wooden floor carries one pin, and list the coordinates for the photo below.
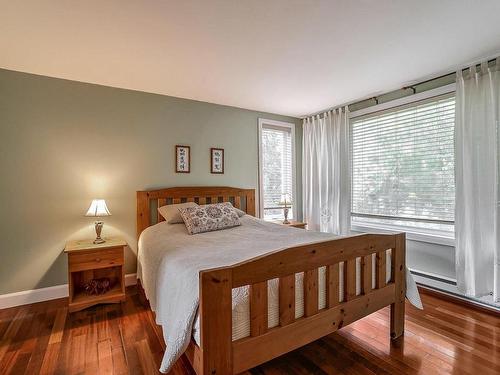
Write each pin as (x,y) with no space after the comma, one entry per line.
(120,339)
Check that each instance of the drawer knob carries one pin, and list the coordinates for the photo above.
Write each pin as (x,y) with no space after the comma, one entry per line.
(97,259)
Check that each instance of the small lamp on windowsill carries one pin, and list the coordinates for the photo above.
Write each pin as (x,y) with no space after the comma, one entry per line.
(284,201)
(98,208)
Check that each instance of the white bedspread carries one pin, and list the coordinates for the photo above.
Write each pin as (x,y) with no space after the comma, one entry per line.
(169,261)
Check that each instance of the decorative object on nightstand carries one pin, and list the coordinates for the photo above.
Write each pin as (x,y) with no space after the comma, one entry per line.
(284,201)
(98,208)
(95,272)
(293,223)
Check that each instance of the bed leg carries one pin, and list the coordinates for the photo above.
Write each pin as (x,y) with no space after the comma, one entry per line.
(216,321)
(398,272)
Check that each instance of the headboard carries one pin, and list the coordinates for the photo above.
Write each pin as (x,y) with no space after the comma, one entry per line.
(148,201)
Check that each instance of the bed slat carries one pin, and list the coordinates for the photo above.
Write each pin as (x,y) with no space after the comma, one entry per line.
(214,199)
(161,202)
(258,308)
(398,270)
(349,279)
(366,274)
(380,269)
(287,299)
(332,285)
(176,201)
(250,203)
(190,199)
(202,201)
(311,292)
(237,201)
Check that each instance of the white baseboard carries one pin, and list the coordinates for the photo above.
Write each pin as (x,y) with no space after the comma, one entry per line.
(32,296)
(130,279)
(45,294)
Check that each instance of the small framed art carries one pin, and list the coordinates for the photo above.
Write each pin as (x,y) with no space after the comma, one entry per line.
(182,159)
(217,160)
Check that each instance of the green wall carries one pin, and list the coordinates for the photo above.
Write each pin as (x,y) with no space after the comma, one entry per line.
(64,143)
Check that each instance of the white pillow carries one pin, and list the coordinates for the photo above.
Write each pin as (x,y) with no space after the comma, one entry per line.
(171,213)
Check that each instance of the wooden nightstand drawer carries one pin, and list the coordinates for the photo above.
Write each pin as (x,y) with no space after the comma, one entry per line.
(96,259)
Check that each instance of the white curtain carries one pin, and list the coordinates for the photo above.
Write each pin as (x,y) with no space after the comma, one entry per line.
(326,172)
(477,180)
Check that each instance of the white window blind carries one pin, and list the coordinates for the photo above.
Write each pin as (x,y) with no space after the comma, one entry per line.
(403,165)
(276,169)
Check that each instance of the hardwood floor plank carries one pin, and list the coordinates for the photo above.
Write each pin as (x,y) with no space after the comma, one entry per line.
(78,349)
(58,327)
(124,339)
(321,353)
(19,363)
(431,354)
(146,359)
(105,357)
(49,363)
(383,354)
(467,318)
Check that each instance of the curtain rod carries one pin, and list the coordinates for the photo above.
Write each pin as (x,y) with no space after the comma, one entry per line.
(411,87)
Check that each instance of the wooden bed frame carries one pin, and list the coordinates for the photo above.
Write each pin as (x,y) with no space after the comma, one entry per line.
(218,354)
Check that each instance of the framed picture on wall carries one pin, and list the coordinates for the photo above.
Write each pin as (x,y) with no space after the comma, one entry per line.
(217,160)
(182,159)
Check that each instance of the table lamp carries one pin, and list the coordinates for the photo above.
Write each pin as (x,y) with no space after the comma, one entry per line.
(98,208)
(284,200)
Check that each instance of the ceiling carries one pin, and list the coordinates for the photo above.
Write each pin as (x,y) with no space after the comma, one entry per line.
(281,56)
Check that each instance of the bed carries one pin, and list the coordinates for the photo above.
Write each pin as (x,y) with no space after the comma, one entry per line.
(233,299)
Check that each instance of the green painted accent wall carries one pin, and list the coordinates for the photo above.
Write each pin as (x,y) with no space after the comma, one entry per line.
(64,143)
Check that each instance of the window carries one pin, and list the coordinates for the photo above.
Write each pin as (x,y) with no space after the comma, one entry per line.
(403,167)
(276,167)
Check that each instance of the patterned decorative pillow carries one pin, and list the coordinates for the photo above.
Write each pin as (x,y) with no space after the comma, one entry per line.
(238,211)
(209,217)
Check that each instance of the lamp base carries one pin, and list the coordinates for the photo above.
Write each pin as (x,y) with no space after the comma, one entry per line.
(98,230)
(285,212)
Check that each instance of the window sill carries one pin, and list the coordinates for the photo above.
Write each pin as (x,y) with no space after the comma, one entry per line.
(413,234)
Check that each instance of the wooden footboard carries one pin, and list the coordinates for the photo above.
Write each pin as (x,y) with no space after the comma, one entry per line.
(218,354)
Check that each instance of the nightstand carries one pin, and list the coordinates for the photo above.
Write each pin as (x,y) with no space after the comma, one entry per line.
(87,261)
(293,223)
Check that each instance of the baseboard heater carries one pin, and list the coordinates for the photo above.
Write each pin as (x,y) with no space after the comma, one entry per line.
(433,276)
(448,287)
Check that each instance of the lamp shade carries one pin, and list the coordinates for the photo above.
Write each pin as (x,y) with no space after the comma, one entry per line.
(98,208)
(285,199)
